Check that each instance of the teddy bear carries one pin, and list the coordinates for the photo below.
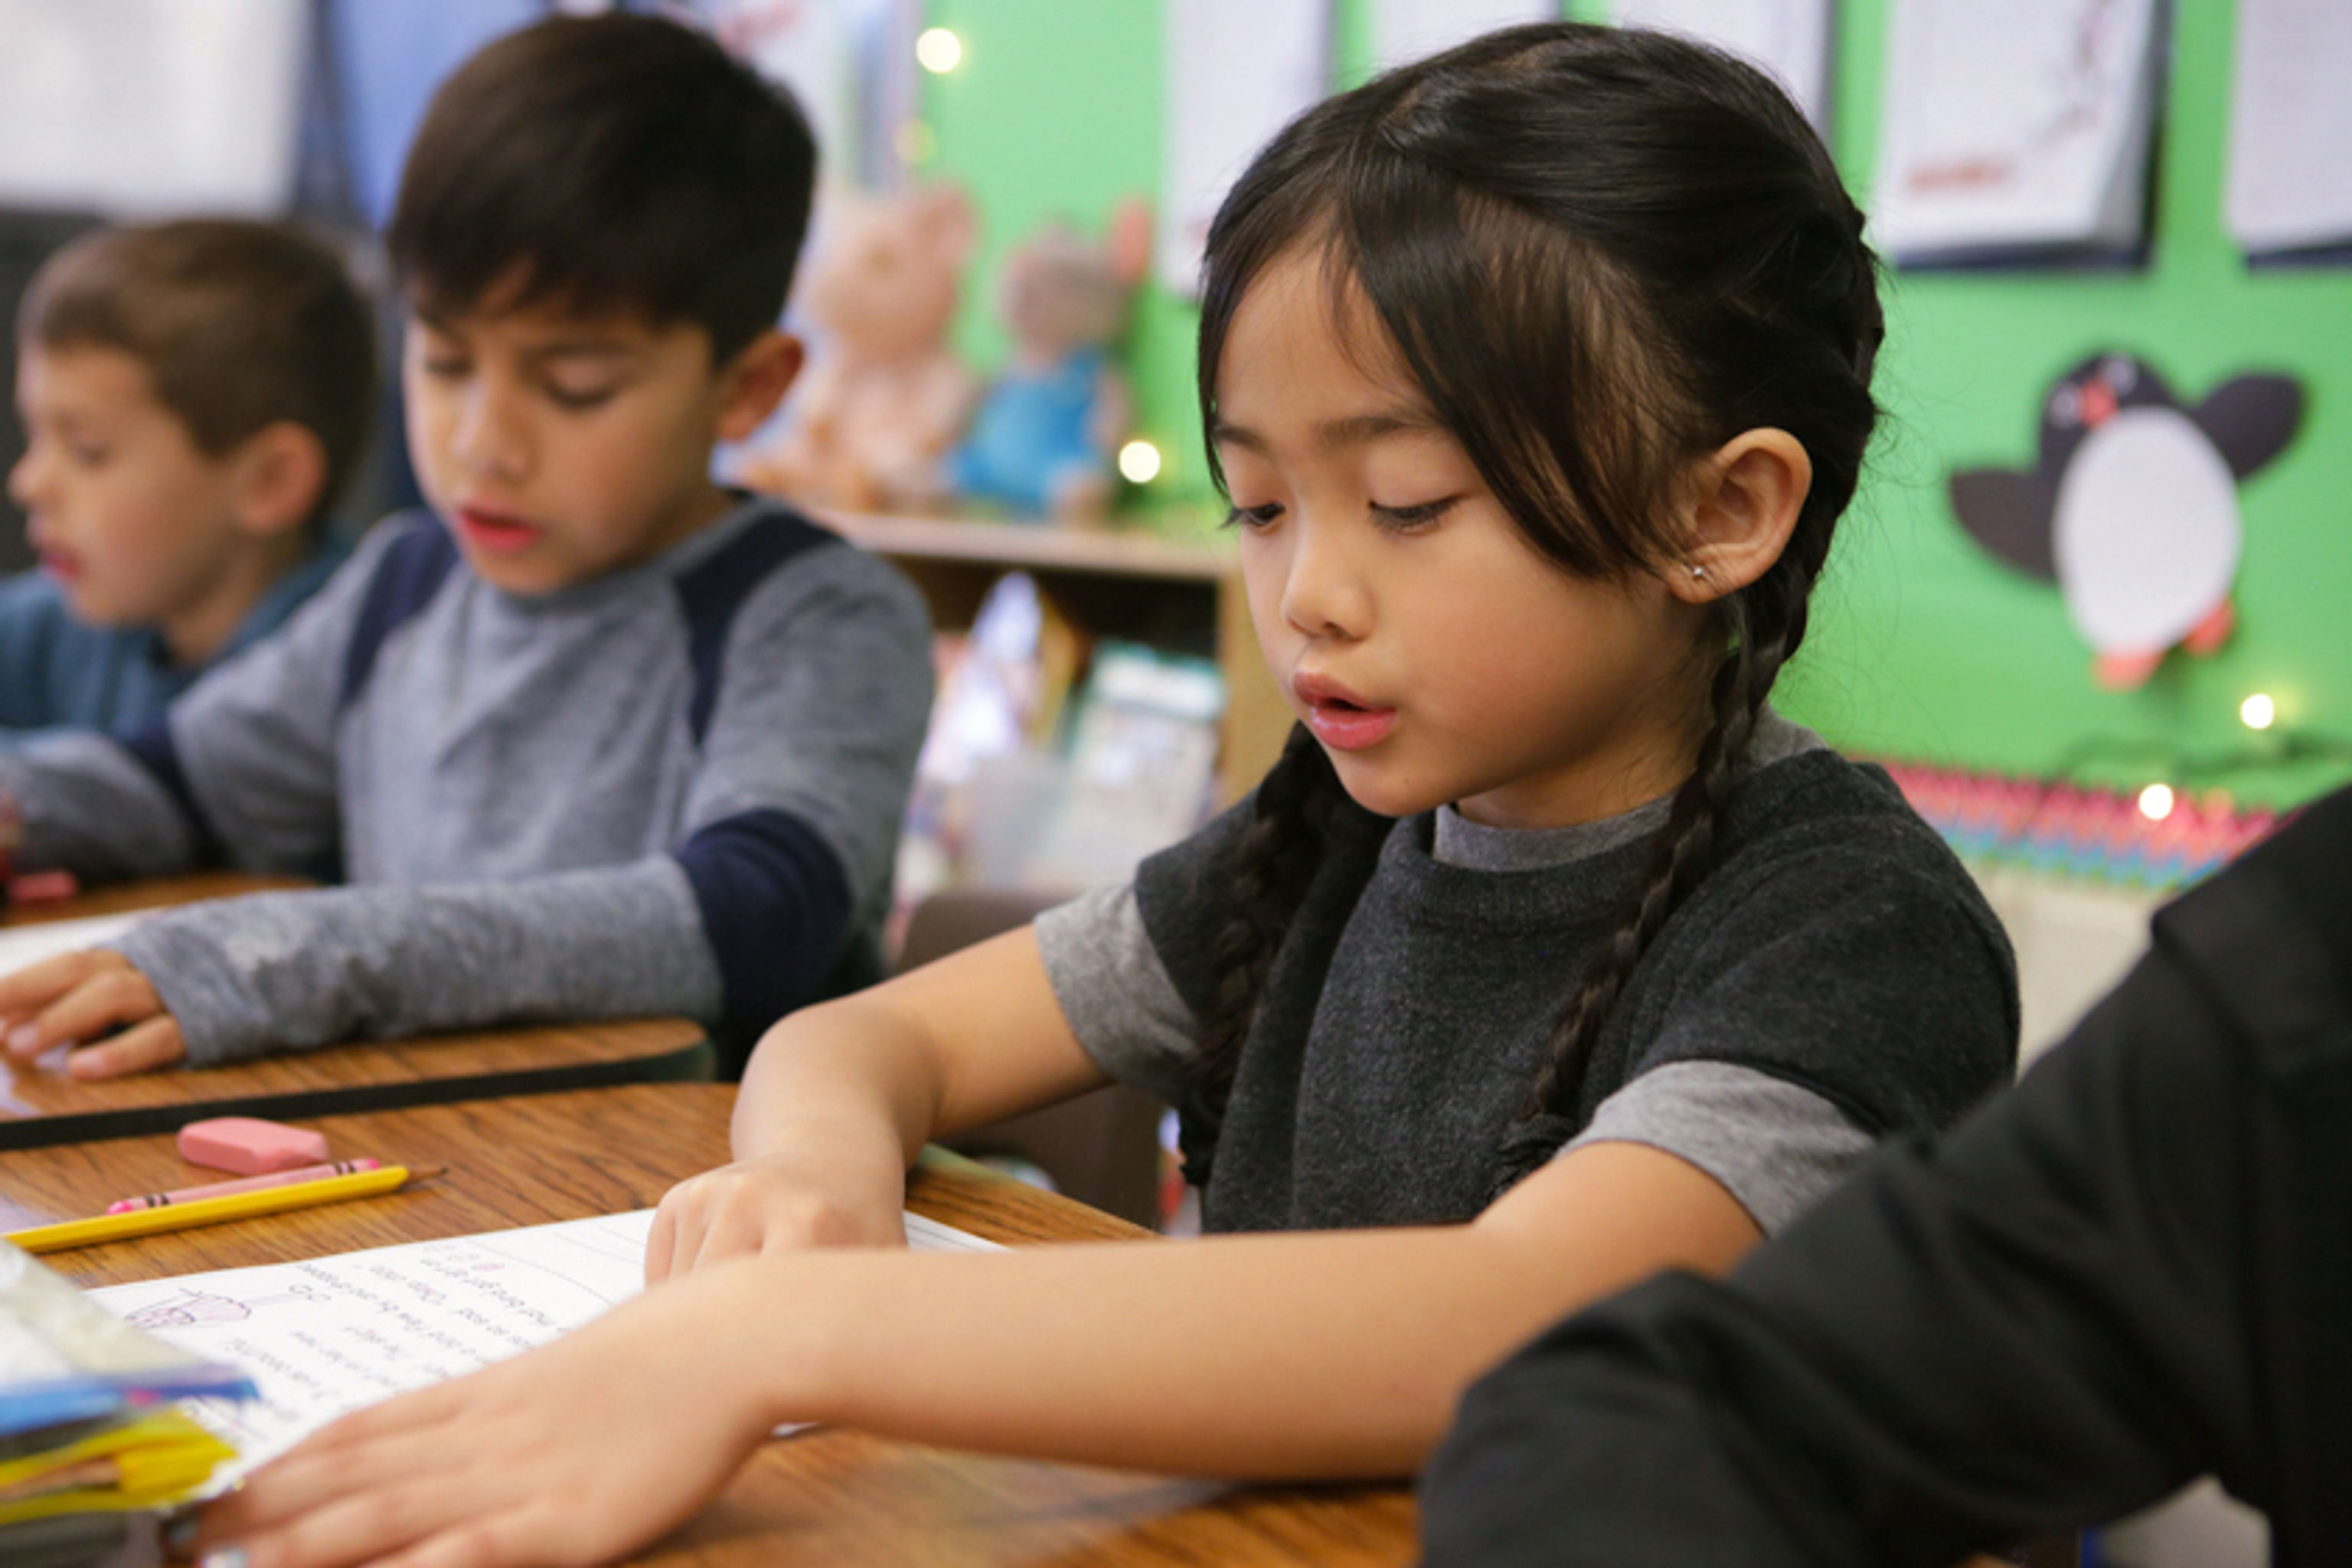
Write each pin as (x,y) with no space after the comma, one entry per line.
(1045,437)
(882,399)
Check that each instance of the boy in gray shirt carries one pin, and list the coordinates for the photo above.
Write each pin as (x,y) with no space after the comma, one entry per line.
(600,738)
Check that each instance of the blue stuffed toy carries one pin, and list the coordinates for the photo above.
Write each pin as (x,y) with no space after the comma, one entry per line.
(1043,441)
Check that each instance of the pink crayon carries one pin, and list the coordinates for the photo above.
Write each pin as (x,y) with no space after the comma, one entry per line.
(248,1184)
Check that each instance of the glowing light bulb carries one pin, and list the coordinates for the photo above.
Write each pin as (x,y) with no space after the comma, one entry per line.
(1140,462)
(2258,711)
(939,50)
(2156,802)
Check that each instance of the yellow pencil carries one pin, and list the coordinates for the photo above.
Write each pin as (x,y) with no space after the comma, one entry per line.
(206,1211)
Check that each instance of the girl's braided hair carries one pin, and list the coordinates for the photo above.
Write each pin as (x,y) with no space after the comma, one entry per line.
(1602,254)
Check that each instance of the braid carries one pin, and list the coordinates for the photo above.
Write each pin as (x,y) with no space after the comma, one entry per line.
(1276,862)
(1767,621)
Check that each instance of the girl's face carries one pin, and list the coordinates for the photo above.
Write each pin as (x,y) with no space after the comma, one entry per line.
(1434,652)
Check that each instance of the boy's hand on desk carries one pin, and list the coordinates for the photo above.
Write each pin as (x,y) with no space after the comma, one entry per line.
(79,996)
(811,1195)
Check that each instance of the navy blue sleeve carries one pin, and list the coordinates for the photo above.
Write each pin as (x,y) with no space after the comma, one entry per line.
(775,906)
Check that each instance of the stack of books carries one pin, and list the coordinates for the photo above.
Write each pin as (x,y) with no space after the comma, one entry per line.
(92,1443)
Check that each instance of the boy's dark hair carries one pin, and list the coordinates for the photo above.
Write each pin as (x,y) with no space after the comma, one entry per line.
(612,163)
(1601,255)
(240,325)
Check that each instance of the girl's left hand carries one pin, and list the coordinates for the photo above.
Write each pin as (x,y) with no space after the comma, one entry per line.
(578,1452)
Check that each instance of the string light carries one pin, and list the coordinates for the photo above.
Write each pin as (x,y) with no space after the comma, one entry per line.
(2258,711)
(1139,460)
(939,50)
(2156,802)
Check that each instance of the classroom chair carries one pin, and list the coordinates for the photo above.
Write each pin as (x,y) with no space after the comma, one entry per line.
(1102,1148)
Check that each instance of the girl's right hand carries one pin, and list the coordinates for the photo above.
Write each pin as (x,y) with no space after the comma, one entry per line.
(815,1193)
(578,1452)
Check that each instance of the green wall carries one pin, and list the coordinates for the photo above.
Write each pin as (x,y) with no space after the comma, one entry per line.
(1924,647)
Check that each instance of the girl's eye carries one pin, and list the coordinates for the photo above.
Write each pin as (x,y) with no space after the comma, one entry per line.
(445,367)
(1406,518)
(1253,516)
(87,455)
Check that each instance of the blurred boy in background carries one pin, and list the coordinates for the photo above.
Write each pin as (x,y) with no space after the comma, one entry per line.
(195,395)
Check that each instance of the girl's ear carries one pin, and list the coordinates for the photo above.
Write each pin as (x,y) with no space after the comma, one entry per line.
(1748,495)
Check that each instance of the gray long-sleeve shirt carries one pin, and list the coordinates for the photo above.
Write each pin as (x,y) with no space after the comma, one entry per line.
(674,789)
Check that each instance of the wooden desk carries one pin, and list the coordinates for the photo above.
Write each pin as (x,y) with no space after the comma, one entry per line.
(825,1496)
(159,893)
(40,1107)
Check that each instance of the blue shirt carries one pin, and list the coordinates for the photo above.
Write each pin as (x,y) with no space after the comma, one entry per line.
(59,673)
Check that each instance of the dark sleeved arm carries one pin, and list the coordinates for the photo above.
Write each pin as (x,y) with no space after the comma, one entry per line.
(792,815)
(2035,1326)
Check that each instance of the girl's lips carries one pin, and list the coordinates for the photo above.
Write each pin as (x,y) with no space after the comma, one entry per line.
(64,568)
(1348,729)
(498,533)
(1338,718)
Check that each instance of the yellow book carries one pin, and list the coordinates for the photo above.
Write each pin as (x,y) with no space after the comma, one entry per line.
(146,1462)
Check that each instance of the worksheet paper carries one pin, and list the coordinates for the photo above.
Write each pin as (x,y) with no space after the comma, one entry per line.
(1238,70)
(2015,125)
(1788,39)
(2291,126)
(326,1337)
(1408,30)
(146,107)
(21,945)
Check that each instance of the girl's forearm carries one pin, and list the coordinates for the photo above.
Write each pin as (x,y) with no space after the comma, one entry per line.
(976,1035)
(846,1070)
(1337,1354)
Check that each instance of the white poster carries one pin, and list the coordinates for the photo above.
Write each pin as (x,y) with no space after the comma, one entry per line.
(2015,124)
(1238,71)
(1407,30)
(1788,39)
(146,107)
(803,44)
(2291,125)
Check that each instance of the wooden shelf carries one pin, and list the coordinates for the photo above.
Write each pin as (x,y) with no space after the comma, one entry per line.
(1130,585)
(1040,546)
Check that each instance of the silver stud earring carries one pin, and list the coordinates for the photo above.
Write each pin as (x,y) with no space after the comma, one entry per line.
(1699,573)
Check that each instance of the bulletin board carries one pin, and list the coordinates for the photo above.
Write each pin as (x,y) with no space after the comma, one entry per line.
(1924,647)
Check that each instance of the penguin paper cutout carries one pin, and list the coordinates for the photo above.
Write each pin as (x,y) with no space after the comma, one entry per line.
(2131,508)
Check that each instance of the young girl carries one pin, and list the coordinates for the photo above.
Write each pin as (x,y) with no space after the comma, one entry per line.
(1538,375)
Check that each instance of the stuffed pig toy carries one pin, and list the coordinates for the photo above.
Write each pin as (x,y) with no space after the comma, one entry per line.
(883,400)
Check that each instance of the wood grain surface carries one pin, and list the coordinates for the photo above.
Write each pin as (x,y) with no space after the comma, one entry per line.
(829,1496)
(39,1104)
(160,892)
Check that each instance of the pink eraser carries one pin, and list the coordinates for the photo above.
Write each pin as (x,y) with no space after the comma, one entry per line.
(250,1146)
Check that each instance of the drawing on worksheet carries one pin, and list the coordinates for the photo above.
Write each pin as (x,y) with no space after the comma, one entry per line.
(2017,127)
(190,1307)
(328,1336)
